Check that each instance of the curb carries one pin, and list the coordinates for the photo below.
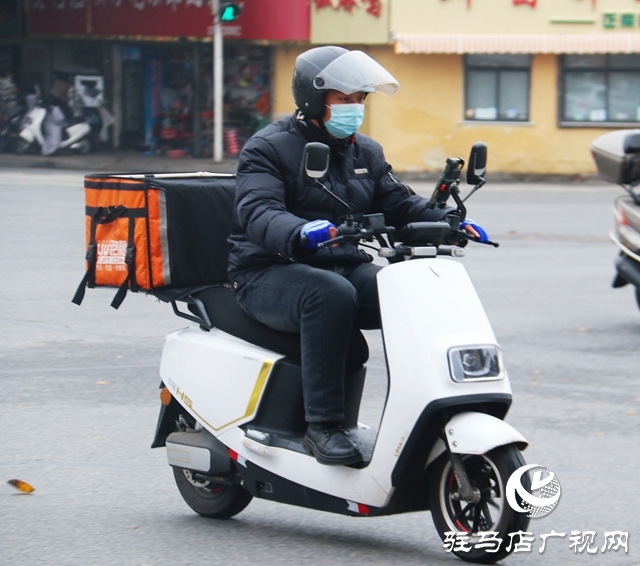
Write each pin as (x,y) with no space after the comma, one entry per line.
(135,162)
(120,162)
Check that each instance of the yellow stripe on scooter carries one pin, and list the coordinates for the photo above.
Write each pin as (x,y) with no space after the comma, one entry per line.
(258,387)
(253,400)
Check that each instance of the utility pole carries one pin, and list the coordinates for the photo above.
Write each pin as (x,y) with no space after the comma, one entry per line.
(217,82)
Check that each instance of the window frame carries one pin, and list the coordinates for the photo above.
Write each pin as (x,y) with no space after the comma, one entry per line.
(563,71)
(498,69)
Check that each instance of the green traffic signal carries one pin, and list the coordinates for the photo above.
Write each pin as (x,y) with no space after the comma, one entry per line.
(230,12)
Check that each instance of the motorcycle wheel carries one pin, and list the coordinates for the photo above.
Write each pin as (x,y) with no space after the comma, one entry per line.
(489,473)
(84,146)
(638,297)
(212,500)
(22,146)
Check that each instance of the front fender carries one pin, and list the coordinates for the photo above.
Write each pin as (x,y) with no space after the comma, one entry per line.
(477,433)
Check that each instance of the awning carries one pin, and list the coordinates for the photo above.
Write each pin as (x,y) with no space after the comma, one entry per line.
(521,43)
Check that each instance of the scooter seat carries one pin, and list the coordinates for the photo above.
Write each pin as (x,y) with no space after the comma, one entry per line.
(228,316)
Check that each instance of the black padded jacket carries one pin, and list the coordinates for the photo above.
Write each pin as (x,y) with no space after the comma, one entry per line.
(272,203)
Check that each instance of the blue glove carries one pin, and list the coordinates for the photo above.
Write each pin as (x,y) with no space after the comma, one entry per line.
(316,232)
(483,236)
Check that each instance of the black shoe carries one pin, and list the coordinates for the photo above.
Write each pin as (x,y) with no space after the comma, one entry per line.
(329,443)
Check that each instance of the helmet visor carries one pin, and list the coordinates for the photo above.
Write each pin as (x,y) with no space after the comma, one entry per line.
(353,72)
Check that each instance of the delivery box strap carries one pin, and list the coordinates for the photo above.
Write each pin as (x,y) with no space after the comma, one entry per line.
(104,215)
(130,261)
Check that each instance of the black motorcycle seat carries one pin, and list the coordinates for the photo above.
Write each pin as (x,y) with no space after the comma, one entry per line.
(226,314)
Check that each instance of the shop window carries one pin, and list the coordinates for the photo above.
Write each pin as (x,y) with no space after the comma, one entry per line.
(497,87)
(600,88)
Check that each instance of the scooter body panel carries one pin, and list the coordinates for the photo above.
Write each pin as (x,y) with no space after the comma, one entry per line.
(27,135)
(75,133)
(427,306)
(32,125)
(348,483)
(218,378)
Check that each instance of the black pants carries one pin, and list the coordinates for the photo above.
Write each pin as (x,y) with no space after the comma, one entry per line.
(323,305)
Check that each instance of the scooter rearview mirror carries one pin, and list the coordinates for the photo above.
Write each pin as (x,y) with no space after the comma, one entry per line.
(315,162)
(477,166)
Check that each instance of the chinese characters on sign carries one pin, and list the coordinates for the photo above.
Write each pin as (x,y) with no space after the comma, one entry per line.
(532,3)
(611,20)
(521,541)
(373,7)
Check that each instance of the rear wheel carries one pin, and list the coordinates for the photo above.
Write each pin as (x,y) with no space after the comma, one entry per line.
(22,146)
(209,499)
(83,146)
(489,473)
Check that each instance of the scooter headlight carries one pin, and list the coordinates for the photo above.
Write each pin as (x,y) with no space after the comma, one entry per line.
(475,363)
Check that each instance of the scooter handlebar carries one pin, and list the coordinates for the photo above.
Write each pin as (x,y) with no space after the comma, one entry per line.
(354,233)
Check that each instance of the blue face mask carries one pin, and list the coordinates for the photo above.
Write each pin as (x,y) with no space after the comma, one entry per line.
(345,119)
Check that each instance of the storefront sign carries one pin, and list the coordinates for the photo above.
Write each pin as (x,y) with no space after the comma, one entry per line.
(260,20)
(373,7)
(63,16)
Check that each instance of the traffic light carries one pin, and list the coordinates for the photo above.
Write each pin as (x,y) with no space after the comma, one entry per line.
(229,12)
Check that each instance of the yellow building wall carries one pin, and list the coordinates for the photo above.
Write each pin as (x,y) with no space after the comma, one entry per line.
(422,125)
(284,63)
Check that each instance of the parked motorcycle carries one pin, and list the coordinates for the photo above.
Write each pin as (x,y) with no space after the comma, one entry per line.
(232,416)
(617,158)
(45,127)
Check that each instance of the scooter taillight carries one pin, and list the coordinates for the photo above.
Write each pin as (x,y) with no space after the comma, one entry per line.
(622,217)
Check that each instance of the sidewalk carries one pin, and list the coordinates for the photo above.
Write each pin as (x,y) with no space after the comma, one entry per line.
(118,162)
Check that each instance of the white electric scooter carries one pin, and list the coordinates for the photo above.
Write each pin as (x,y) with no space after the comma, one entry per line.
(232,416)
(75,132)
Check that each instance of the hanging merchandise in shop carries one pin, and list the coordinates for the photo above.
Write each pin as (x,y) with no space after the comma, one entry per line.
(171,95)
(258,20)
(247,93)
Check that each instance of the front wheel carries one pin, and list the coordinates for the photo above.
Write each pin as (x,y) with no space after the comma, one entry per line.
(489,473)
(213,500)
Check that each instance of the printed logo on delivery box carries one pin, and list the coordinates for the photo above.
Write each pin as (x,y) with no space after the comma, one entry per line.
(111,255)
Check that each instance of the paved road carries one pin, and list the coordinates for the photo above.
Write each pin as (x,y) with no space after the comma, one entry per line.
(79,396)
